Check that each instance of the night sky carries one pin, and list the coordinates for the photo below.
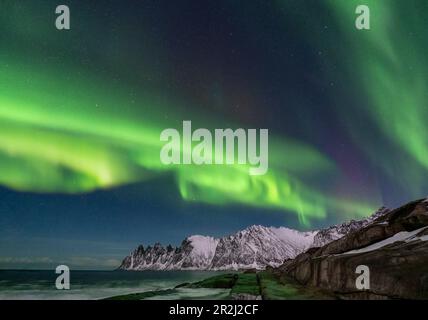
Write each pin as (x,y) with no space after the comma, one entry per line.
(81,112)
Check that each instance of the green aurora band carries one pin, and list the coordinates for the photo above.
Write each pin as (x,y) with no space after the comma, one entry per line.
(389,70)
(380,75)
(57,136)
(62,130)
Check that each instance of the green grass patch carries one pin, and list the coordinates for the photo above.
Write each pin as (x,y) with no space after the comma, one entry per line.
(272,289)
(247,283)
(224,281)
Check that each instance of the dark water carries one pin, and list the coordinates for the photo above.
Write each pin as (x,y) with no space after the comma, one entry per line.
(40,284)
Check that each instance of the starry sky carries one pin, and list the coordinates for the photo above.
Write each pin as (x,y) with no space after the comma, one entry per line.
(81,112)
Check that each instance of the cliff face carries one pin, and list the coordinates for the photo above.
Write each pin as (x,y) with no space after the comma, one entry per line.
(394,247)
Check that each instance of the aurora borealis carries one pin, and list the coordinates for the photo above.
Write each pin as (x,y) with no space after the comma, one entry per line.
(81,112)
(56,145)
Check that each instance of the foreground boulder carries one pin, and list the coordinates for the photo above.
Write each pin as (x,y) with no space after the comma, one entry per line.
(394,247)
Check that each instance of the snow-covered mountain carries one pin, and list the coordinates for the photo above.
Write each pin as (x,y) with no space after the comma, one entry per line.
(257,247)
(254,247)
(337,231)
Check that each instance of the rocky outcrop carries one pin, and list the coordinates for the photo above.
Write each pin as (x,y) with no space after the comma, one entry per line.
(394,246)
(335,232)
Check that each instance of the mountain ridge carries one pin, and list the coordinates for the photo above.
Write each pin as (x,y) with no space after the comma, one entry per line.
(255,247)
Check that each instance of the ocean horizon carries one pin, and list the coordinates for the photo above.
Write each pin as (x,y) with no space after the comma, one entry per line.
(32,284)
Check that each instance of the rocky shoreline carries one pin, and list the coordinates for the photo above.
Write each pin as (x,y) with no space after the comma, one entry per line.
(394,247)
(260,285)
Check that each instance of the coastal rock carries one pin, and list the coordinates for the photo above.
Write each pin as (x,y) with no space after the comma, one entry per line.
(394,246)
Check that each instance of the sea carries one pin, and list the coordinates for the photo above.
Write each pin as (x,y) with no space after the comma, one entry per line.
(92,285)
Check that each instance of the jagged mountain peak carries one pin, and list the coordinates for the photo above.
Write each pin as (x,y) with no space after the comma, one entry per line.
(253,247)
